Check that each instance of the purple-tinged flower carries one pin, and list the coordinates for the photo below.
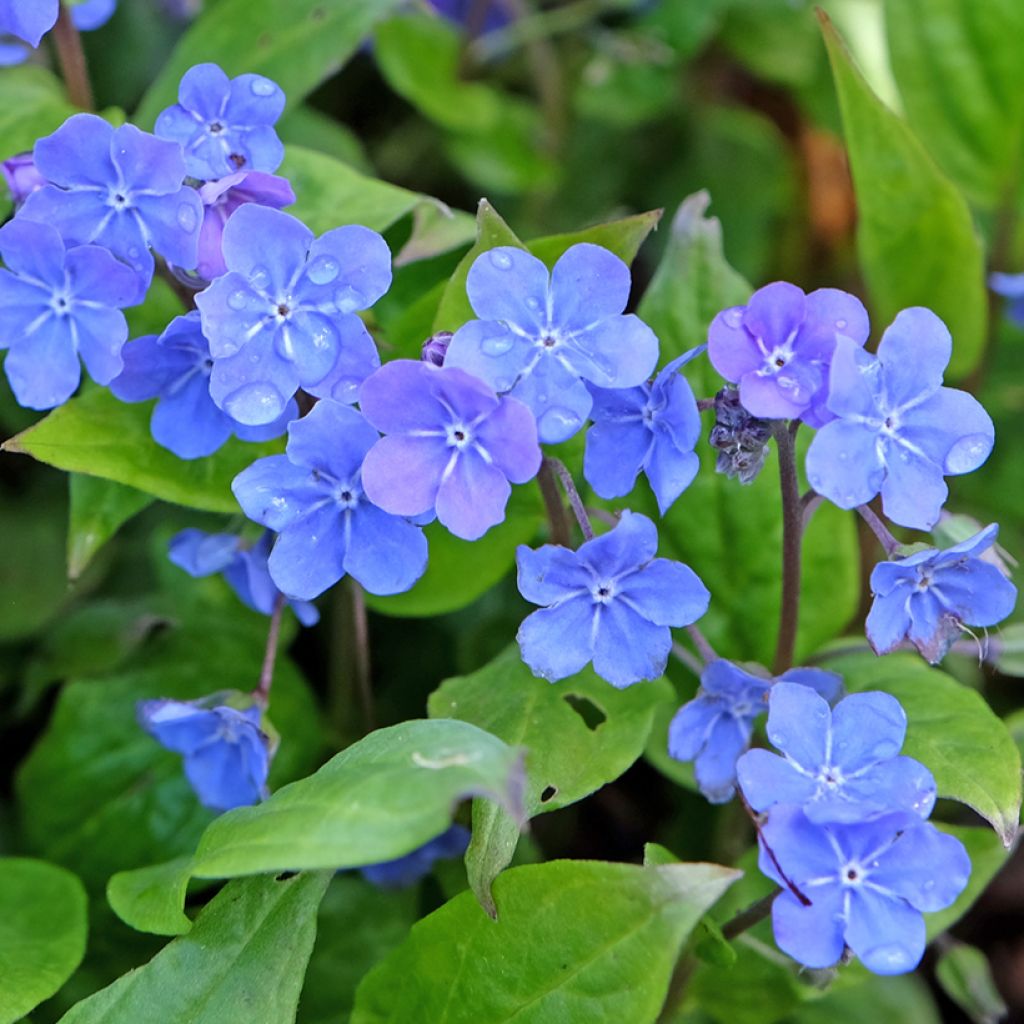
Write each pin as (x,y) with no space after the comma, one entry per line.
(435,347)
(740,439)
(243,565)
(224,124)
(839,764)
(899,431)
(227,755)
(408,870)
(57,304)
(654,428)
(1010,286)
(541,336)
(21,176)
(29,20)
(92,14)
(929,597)
(867,884)
(451,446)
(220,200)
(120,188)
(283,316)
(611,602)
(313,498)
(714,728)
(778,346)
(175,369)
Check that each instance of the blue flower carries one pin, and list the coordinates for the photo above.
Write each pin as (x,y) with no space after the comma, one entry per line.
(867,884)
(29,20)
(224,124)
(929,597)
(611,602)
(541,336)
(244,566)
(839,764)
(653,428)
(227,756)
(21,176)
(55,305)
(899,431)
(92,14)
(313,498)
(120,188)
(408,870)
(175,369)
(451,446)
(714,728)
(283,316)
(1010,286)
(778,346)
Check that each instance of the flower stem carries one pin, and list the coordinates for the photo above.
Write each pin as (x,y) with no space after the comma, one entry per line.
(262,692)
(748,918)
(691,661)
(569,486)
(792,535)
(72,60)
(558,521)
(879,529)
(700,641)
(361,654)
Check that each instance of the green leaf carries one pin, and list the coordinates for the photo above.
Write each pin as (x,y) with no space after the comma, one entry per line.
(692,284)
(97,435)
(42,933)
(377,800)
(951,730)
(571,932)
(32,104)
(896,1000)
(459,571)
(150,899)
(966,977)
(244,959)
(358,926)
(99,508)
(987,855)
(622,237)
(960,76)
(917,243)
(297,44)
(579,735)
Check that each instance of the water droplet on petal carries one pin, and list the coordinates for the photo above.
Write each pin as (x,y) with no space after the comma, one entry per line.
(500,260)
(263,87)
(885,749)
(254,404)
(497,344)
(259,276)
(238,300)
(133,252)
(323,270)
(188,220)
(968,453)
(891,958)
(841,325)
(532,303)
(558,424)
(733,317)
(348,300)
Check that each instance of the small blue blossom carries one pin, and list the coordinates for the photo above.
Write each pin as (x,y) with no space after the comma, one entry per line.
(244,567)
(778,347)
(175,369)
(867,884)
(283,316)
(312,497)
(714,728)
(21,176)
(92,14)
(654,428)
(227,755)
(451,446)
(540,336)
(120,188)
(224,124)
(57,305)
(408,870)
(1010,286)
(840,764)
(930,596)
(611,602)
(899,431)
(28,20)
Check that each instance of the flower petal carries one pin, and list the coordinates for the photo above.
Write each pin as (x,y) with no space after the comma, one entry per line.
(843,464)
(588,283)
(510,285)
(557,642)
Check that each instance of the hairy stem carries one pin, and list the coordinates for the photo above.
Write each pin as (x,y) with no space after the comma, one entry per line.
(558,520)
(361,654)
(72,60)
(575,501)
(691,661)
(792,535)
(879,529)
(262,692)
(700,641)
(748,918)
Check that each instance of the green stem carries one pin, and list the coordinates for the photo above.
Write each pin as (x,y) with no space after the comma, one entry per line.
(792,535)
